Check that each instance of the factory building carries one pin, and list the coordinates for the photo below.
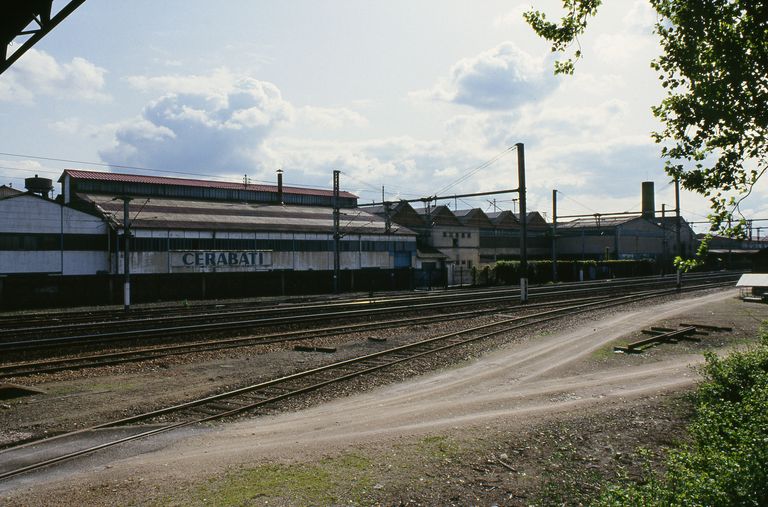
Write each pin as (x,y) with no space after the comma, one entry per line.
(453,243)
(502,241)
(194,238)
(624,237)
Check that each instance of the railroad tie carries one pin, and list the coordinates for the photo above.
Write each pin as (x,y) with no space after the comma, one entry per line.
(638,346)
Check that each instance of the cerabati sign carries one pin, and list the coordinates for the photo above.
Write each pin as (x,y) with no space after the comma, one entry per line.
(220,260)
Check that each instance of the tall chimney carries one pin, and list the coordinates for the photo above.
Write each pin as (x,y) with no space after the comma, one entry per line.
(649,202)
(280,186)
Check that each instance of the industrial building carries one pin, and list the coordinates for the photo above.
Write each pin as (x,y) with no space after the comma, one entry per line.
(191,238)
(623,238)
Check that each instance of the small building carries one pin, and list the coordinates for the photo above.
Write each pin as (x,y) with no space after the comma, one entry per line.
(8,191)
(459,243)
(42,236)
(753,287)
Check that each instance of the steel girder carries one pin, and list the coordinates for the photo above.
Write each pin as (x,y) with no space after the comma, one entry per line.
(31,18)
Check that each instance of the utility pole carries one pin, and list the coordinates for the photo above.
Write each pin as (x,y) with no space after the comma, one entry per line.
(523,224)
(336,232)
(677,231)
(663,239)
(554,235)
(126,254)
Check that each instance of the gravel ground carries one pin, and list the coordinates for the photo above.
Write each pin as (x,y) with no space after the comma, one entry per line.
(559,458)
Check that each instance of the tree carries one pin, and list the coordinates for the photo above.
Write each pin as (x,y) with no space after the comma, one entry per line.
(714,67)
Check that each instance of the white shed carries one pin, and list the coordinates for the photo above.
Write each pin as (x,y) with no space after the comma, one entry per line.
(754,287)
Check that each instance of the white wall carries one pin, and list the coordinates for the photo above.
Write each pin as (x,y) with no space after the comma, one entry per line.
(36,215)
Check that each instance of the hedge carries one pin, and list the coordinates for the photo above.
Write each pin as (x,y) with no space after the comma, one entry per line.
(540,271)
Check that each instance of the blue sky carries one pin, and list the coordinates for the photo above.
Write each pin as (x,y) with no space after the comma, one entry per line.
(409,95)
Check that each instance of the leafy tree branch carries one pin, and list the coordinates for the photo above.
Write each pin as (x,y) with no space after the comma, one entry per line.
(714,68)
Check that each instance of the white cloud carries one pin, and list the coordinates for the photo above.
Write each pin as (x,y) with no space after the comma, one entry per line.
(513,18)
(640,18)
(38,73)
(501,78)
(215,123)
(621,48)
(218,83)
(331,118)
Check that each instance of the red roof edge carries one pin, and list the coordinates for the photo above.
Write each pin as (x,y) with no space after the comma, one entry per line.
(164,180)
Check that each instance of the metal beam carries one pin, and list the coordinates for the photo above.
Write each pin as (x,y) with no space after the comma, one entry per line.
(440,198)
(17,16)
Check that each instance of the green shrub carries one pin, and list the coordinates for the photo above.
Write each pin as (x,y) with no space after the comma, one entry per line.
(726,462)
(540,271)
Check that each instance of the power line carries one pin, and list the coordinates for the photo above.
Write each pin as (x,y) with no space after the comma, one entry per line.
(577,202)
(482,166)
(118,166)
(101,164)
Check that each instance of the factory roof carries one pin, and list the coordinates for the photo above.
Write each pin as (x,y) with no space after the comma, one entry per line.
(439,215)
(474,217)
(504,219)
(600,221)
(160,213)
(188,182)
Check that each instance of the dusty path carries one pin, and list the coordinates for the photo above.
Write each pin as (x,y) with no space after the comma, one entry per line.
(517,381)
(525,381)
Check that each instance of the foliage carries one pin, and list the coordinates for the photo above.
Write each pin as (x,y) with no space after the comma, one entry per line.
(714,67)
(563,35)
(540,271)
(727,460)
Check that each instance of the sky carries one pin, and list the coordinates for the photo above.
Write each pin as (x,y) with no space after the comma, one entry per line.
(415,96)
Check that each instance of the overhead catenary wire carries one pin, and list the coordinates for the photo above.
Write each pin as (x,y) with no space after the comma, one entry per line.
(230,179)
(478,168)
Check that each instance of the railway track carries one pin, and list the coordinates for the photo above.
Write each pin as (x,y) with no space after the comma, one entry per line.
(252,398)
(26,368)
(80,334)
(54,322)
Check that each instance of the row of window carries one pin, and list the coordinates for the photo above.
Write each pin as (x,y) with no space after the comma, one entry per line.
(97,242)
(512,233)
(207,193)
(514,242)
(48,242)
(276,245)
(456,234)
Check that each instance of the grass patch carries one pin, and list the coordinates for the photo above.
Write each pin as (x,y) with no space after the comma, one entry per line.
(603,353)
(438,447)
(341,480)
